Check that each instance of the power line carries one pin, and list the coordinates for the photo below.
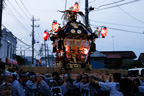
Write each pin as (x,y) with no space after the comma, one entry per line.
(22,10)
(36,16)
(92,1)
(23,42)
(21,24)
(40,35)
(117,24)
(18,38)
(18,13)
(115,5)
(110,4)
(27,36)
(130,15)
(122,46)
(99,2)
(120,29)
(25,8)
(34,13)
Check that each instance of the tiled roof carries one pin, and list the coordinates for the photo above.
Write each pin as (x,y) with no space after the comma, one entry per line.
(119,54)
(97,54)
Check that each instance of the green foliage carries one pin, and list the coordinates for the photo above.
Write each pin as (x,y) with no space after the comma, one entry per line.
(134,64)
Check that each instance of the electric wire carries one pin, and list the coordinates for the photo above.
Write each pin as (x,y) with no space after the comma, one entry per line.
(105,42)
(130,14)
(39,34)
(36,16)
(117,24)
(22,10)
(18,38)
(14,17)
(115,5)
(27,36)
(98,2)
(26,8)
(92,1)
(18,13)
(110,4)
(120,29)
(31,10)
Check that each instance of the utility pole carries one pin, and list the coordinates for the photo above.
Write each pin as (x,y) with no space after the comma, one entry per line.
(87,10)
(86,14)
(45,52)
(33,40)
(48,56)
(1,8)
(65,4)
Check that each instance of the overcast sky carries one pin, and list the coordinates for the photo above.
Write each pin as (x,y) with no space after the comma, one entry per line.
(125,23)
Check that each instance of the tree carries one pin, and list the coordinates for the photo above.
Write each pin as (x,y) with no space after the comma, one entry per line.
(134,64)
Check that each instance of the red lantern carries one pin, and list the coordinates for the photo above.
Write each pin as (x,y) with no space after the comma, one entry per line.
(45,35)
(76,7)
(55,27)
(104,32)
(85,51)
(66,48)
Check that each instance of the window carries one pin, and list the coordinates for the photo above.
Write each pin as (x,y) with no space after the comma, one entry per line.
(8,51)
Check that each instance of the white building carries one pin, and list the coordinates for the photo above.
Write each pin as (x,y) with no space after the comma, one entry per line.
(8,47)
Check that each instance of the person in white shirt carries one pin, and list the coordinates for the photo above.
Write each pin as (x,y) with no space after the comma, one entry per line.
(18,86)
(84,85)
(112,87)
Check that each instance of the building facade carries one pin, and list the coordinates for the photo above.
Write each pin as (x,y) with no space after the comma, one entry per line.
(97,60)
(8,47)
(48,61)
(118,59)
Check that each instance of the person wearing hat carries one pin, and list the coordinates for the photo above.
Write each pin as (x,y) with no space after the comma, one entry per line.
(8,77)
(31,84)
(18,86)
(47,78)
(76,84)
(69,87)
(43,88)
(84,85)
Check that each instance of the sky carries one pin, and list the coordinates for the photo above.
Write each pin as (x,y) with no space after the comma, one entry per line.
(125,23)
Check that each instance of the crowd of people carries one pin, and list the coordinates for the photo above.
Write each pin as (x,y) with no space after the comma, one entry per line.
(13,83)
